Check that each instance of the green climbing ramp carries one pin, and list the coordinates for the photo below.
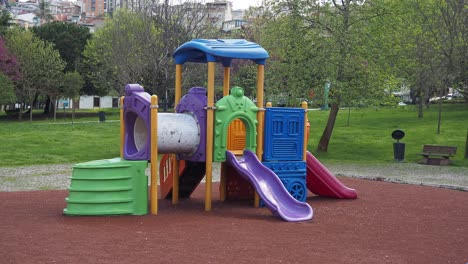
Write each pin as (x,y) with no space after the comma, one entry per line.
(108,187)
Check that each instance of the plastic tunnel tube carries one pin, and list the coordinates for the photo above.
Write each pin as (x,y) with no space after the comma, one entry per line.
(172,136)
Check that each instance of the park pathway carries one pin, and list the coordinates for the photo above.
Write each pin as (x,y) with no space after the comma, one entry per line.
(57,176)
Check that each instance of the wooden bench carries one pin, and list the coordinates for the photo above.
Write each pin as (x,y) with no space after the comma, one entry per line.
(437,155)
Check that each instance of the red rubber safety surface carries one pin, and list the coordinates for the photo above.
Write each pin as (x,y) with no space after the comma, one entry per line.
(388,223)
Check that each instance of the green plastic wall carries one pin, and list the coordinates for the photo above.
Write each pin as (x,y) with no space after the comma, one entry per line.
(234,106)
(108,187)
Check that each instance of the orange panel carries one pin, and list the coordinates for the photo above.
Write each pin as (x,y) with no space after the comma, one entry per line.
(166,174)
(236,137)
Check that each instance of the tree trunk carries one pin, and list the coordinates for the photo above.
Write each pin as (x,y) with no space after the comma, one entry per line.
(73,112)
(422,98)
(420,107)
(466,145)
(36,97)
(31,111)
(440,114)
(47,106)
(55,109)
(349,116)
(20,113)
(327,133)
(439,117)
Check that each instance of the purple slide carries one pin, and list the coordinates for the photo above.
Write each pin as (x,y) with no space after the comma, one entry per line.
(269,187)
(321,181)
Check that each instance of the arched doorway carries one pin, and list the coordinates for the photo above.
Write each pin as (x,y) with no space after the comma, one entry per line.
(229,108)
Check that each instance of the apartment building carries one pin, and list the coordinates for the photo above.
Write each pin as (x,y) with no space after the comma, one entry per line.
(94,11)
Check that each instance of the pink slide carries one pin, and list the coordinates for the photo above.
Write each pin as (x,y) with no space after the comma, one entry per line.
(321,181)
(269,187)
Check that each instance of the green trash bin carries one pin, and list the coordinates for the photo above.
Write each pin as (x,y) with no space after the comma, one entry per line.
(102,116)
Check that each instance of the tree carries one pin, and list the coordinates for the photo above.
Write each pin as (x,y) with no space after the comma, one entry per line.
(136,46)
(40,65)
(246,77)
(5,22)
(447,22)
(433,47)
(313,43)
(118,53)
(7,92)
(72,84)
(9,72)
(178,22)
(8,63)
(68,38)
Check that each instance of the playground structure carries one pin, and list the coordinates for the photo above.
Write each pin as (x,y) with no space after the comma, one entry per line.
(263,151)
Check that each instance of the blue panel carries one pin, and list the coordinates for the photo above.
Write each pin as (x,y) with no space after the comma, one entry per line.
(220,50)
(284,134)
(293,176)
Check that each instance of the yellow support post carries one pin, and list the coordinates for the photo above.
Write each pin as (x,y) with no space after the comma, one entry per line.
(154,156)
(227,81)
(122,127)
(178,84)
(175,164)
(223,180)
(260,116)
(306,136)
(209,135)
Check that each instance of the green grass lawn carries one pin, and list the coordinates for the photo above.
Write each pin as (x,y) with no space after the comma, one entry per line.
(367,139)
(44,143)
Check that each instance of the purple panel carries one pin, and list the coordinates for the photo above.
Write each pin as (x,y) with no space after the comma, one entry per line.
(136,104)
(194,103)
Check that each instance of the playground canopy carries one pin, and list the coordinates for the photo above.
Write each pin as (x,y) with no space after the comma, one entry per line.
(220,50)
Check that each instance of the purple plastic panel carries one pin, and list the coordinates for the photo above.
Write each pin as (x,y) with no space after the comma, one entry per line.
(136,108)
(194,102)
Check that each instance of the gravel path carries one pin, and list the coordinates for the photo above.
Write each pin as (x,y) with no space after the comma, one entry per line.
(410,173)
(57,176)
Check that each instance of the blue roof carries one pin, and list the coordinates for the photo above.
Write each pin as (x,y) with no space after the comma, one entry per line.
(219,50)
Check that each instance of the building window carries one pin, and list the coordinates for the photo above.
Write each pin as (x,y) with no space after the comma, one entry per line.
(115,102)
(96,102)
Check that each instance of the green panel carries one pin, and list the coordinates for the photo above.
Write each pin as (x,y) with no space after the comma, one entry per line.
(234,106)
(100,185)
(99,196)
(98,209)
(105,163)
(108,187)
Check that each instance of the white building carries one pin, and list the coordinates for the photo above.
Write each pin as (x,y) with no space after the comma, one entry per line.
(96,102)
(219,11)
(26,20)
(90,102)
